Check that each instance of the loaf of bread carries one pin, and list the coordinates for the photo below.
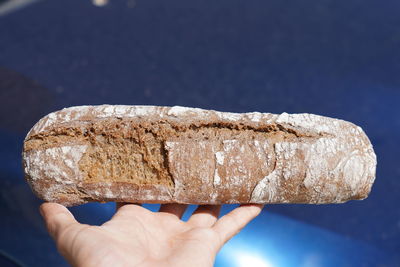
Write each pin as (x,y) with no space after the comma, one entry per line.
(149,154)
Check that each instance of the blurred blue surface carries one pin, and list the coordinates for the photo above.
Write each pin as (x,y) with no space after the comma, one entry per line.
(333,58)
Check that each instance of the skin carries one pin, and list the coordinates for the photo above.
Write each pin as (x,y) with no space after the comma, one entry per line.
(136,236)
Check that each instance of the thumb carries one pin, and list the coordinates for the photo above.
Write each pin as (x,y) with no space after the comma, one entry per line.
(57,218)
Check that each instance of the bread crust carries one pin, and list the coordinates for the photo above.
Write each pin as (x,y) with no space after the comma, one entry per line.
(151,154)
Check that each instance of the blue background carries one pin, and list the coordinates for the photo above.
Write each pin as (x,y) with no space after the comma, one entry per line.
(334,58)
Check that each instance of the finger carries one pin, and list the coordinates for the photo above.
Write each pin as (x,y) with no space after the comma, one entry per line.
(121,204)
(125,209)
(205,216)
(175,209)
(57,218)
(231,224)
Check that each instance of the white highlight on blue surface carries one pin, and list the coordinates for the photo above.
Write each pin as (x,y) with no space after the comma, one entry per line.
(244,259)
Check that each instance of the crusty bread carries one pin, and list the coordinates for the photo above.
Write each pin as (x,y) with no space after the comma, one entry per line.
(152,154)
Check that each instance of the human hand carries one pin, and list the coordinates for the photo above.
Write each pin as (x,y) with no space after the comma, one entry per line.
(136,236)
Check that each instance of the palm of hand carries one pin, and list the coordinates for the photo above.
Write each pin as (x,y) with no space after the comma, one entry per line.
(136,236)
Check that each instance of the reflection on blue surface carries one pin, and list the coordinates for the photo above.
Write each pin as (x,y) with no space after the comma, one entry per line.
(274,240)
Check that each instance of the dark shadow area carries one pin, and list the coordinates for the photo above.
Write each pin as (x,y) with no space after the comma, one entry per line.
(23,101)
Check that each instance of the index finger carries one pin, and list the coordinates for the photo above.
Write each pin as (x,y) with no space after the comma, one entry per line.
(57,218)
(231,223)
